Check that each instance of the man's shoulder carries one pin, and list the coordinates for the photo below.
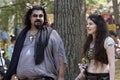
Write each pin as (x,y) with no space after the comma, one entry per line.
(55,33)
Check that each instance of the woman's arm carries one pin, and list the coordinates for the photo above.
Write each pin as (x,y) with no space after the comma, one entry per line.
(111,59)
(81,74)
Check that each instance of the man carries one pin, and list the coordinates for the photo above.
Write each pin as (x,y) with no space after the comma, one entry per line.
(39,52)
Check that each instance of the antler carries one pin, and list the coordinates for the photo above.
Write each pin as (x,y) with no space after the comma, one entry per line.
(29,6)
(44,4)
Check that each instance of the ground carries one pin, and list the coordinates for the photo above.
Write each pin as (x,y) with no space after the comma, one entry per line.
(117,69)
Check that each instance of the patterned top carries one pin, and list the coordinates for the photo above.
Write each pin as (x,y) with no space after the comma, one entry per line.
(90,53)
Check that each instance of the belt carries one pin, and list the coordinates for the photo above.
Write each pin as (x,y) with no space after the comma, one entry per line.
(39,78)
(97,76)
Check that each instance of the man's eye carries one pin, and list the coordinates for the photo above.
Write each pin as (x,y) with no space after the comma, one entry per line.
(34,15)
(40,15)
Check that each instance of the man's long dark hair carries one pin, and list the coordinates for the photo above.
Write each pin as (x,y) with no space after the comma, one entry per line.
(101,34)
(27,21)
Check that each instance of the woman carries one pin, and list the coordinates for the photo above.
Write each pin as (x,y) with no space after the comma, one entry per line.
(98,50)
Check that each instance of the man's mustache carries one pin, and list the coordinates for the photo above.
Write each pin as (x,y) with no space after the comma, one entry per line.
(38,22)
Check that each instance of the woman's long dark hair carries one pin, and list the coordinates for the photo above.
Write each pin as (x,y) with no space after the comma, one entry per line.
(27,21)
(101,34)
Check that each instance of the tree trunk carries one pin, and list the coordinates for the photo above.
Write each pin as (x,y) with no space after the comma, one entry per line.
(70,24)
(116,14)
(116,11)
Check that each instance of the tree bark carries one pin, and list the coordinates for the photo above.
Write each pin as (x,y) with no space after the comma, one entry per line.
(69,21)
(116,15)
(116,11)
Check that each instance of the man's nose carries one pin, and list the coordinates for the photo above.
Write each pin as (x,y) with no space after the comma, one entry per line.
(38,17)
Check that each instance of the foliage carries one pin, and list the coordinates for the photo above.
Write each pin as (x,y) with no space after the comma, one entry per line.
(17,9)
(96,2)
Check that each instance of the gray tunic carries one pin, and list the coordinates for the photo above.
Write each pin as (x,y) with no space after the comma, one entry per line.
(53,54)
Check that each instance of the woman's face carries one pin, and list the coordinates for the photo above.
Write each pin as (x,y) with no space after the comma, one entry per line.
(91,27)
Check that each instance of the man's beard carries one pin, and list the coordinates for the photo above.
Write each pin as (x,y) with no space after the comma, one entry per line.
(38,24)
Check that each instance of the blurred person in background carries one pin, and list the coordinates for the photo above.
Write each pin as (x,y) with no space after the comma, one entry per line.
(4,63)
(11,46)
(115,37)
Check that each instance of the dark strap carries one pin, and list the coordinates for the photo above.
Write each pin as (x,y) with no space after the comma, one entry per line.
(40,44)
(16,53)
